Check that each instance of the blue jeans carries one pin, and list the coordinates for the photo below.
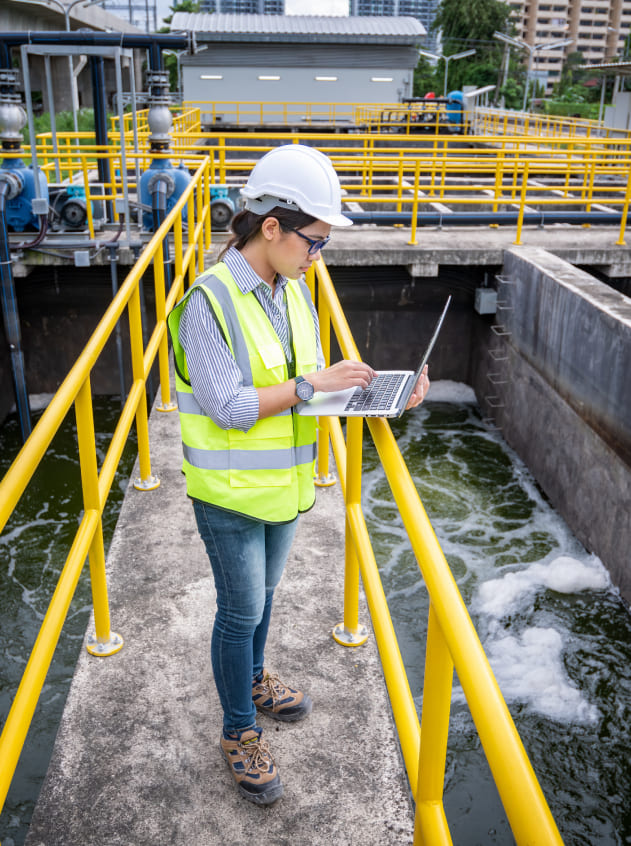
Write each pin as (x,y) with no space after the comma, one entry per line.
(247,559)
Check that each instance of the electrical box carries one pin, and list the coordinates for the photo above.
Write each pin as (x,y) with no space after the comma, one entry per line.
(486,300)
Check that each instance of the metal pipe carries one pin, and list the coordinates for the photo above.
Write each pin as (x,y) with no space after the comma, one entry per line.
(11,320)
(485,218)
(99,39)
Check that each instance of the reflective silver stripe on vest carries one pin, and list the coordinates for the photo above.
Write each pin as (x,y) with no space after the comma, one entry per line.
(243,459)
(240,348)
(187,404)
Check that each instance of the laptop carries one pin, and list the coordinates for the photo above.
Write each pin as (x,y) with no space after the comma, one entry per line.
(386,396)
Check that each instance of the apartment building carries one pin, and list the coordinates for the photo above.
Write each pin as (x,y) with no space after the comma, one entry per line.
(598,29)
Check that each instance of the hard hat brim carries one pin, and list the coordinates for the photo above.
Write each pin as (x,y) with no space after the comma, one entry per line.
(265,204)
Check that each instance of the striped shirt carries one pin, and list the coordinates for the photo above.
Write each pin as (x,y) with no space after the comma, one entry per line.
(216,379)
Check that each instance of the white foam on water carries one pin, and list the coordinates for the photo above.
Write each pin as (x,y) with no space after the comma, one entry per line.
(529,666)
(529,669)
(565,574)
(444,390)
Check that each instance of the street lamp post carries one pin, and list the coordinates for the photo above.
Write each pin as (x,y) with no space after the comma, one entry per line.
(532,49)
(446,59)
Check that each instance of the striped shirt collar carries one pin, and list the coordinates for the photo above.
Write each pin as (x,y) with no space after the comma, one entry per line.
(246,278)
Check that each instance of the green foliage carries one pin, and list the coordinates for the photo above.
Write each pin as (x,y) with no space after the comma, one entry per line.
(513,93)
(63,122)
(465,25)
(426,79)
(471,23)
(191,6)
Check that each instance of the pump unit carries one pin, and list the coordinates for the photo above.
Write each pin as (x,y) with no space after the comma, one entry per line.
(69,208)
(175,179)
(224,201)
(20,214)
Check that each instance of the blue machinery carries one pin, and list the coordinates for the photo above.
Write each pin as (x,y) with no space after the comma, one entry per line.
(27,205)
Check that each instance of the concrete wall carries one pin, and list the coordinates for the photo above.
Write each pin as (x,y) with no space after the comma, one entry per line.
(563,395)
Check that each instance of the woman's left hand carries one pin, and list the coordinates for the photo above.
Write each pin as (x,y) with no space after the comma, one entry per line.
(420,391)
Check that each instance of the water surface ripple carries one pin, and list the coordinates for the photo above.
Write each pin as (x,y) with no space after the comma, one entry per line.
(554,629)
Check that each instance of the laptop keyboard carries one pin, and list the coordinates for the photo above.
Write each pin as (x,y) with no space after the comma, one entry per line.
(379,394)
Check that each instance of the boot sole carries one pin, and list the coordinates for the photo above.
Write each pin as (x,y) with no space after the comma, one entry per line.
(289,718)
(266,797)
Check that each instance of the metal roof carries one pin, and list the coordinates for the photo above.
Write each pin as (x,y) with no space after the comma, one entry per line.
(242,27)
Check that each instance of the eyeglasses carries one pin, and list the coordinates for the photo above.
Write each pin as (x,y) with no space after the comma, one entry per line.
(314,245)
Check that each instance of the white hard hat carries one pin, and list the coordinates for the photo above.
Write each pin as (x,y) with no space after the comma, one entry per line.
(296,177)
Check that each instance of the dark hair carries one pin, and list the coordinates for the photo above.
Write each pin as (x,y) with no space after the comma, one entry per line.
(246,224)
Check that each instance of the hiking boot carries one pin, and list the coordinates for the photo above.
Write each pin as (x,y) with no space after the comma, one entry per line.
(253,767)
(278,701)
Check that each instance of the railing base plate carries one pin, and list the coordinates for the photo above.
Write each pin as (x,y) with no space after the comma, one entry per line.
(103,649)
(148,484)
(324,481)
(345,637)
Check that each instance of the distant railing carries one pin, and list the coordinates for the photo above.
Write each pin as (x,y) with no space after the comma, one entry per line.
(484,175)
(452,641)
(76,391)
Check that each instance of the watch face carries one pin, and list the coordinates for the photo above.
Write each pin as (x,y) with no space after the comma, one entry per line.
(304,390)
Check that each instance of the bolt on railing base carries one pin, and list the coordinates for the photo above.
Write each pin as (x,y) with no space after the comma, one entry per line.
(344,637)
(148,484)
(104,648)
(169,406)
(321,481)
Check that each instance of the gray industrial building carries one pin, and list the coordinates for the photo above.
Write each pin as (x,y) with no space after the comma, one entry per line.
(299,59)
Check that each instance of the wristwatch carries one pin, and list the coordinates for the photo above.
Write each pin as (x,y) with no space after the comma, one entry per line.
(304,389)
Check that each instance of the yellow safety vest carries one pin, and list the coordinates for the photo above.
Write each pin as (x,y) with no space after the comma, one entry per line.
(267,472)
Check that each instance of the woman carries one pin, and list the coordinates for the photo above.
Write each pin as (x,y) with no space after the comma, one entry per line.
(247,350)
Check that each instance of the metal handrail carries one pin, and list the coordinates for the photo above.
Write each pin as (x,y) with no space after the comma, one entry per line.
(452,641)
(504,172)
(75,390)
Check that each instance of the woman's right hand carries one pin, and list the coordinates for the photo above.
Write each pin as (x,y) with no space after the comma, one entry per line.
(343,374)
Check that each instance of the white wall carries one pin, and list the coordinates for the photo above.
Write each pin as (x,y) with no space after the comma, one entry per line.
(295,85)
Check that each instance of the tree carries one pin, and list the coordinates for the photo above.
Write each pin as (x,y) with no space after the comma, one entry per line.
(425,79)
(466,24)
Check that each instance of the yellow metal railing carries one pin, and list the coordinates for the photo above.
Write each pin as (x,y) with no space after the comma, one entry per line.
(75,391)
(452,642)
(482,173)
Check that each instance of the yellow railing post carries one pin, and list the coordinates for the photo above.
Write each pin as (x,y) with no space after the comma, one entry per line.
(625,211)
(323,478)
(417,172)
(430,822)
(104,642)
(145,482)
(350,632)
(522,203)
(207,180)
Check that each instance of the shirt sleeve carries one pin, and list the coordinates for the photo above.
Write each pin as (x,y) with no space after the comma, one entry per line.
(216,379)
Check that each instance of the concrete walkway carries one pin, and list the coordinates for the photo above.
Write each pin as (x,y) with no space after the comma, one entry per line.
(137,761)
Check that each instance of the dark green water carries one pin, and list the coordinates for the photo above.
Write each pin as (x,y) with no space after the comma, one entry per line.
(557,635)
(33,549)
